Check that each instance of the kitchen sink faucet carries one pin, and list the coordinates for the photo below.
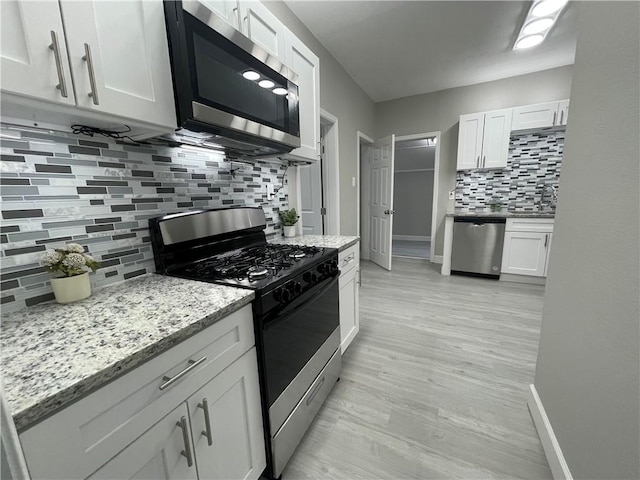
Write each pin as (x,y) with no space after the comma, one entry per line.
(554,197)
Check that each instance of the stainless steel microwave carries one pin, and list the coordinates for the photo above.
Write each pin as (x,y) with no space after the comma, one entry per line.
(229,92)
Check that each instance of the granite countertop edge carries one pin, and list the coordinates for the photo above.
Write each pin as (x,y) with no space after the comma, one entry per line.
(502,214)
(63,398)
(341,242)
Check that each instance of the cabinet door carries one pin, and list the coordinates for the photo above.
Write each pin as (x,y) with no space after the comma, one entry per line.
(263,28)
(349,306)
(535,116)
(226,9)
(563,112)
(525,253)
(470,140)
(120,59)
(228,409)
(495,143)
(33,51)
(307,65)
(156,454)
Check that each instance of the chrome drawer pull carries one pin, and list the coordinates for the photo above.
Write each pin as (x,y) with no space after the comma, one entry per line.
(207,421)
(315,392)
(55,46)
(92,75)
(185,438)
(168,381)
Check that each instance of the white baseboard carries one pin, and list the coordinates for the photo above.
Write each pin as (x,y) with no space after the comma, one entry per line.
(510,277)
(552,451)
(412,238)
(437,259)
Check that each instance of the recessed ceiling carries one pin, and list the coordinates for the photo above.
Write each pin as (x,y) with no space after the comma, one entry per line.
(395,49)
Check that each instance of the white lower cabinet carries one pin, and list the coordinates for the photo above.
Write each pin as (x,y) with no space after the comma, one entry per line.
(349,264)
(139,425)
(527,243)
(156,454)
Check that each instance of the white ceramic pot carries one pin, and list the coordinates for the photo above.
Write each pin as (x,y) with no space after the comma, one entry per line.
(71,289)
(289,231)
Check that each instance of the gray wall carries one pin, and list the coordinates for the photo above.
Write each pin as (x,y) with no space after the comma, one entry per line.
(440,111)
(343,98)
(413,192)
(588,363)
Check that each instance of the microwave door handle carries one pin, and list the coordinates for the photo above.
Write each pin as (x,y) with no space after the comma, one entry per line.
(300,303)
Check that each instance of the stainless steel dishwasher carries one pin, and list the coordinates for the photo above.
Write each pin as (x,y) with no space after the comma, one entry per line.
(477,245)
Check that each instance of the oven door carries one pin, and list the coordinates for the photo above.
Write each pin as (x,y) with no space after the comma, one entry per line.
(298,342)
(221,78)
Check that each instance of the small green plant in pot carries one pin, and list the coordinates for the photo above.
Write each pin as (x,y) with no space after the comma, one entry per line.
(289,218)
(71,266)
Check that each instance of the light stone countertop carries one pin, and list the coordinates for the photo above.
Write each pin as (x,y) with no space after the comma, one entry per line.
(341,242)
(53,354)
(500,214)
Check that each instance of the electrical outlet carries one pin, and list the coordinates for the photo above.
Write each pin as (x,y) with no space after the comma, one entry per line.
(452,194)
(270,191)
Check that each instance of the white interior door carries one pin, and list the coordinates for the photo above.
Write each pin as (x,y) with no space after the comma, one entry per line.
(311,199)
(381,201)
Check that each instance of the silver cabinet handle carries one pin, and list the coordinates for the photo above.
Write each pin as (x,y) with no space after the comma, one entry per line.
(484,161)
(315,391)
(55,46)
(555,115)
(92,76)
(561,116)
(185,438)
(348,260)
(168,381)
(546,240)
(207,421)
(478,161)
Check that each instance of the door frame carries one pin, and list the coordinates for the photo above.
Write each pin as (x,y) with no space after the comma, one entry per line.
(364,236)
(331,173)
(436,176)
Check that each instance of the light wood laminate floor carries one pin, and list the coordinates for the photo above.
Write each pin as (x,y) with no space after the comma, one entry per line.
(435,384)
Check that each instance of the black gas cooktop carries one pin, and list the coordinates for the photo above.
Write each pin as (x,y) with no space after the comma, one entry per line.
(255,267)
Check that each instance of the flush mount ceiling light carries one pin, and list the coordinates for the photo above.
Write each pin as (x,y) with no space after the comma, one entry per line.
(540,20)
(251,75)
(280,91)
(266,83)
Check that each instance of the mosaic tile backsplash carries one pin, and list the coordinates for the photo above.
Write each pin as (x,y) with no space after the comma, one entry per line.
(58,188)
(534,160)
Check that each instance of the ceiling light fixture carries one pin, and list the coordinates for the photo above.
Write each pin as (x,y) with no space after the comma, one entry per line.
(280,91)
(540,20)
(251,75)
(266,84)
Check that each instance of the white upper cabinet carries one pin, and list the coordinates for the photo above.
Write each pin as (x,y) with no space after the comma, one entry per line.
(307,65)
(551,114)
(263,28)
(33,51)
(495,140)
(120,59)
(226,9)
(470,140)
(483,140)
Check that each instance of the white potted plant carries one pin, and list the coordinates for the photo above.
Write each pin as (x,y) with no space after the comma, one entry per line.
(70,264)
(289,218)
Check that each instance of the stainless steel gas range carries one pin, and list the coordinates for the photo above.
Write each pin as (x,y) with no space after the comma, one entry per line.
(296,310)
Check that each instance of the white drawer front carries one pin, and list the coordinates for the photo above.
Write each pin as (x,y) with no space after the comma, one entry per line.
(544,225)
(76,441)
(349,258)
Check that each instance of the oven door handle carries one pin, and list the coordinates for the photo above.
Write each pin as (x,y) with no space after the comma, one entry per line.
(305,300)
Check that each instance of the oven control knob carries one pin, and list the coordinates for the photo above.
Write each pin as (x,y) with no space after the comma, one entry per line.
(285,295)
(297,287)
(334,266)
(310,277)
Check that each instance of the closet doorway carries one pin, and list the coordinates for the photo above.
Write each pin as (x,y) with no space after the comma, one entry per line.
(415,175)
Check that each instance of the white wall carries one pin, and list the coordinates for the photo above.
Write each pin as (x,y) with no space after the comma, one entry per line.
(440,111)
(343,98)
(588,368)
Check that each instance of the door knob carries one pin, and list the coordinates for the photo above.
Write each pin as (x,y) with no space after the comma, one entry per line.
(389,212)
